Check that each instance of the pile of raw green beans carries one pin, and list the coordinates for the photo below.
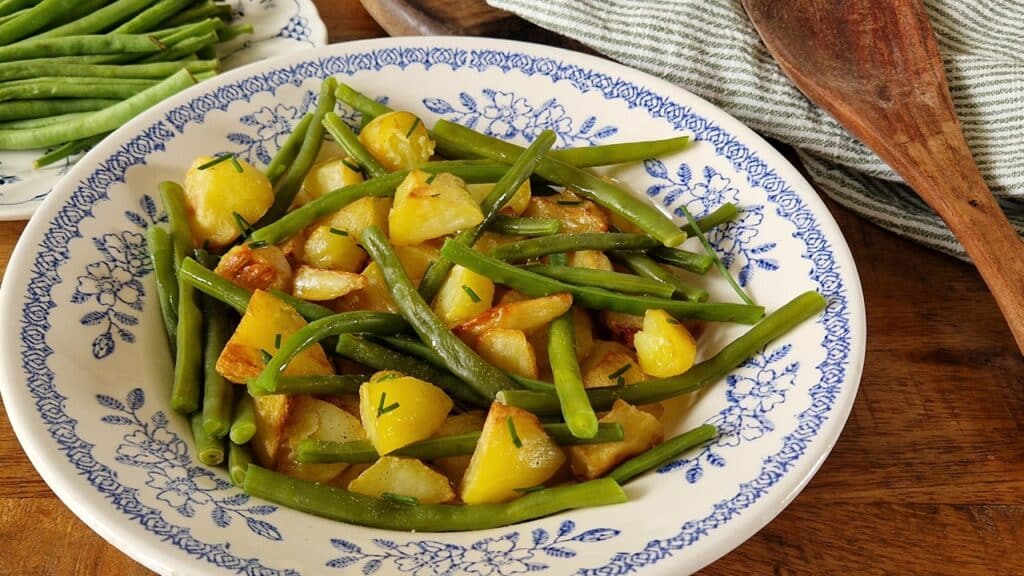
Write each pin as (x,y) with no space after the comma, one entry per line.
(199,308)
(72,71)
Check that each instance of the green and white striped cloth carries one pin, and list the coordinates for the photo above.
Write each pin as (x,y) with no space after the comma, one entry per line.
(710,48)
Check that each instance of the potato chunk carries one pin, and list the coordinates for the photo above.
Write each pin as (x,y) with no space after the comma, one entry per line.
(360,215)
(374,296)
(416,259)
(642,432)
(576,214)
(318,285)
(310,418)
(513,453)
(509,350)
(454,467)
(256,269)
(525,315)
(325,177)
(333,248)
(266,320)
(610,364)
(592,259)
(463,295)
(271,414)
(404,477)
(425,210)
(515,206)
(398,140)
(622,327)
(214,195)
(400,411)
(664,347)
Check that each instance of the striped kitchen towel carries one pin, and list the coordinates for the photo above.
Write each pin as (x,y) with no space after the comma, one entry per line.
(710,48)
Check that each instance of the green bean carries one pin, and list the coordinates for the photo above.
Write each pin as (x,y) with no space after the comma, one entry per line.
(161,255)
(27,109)
(176,34)
(455,138)
(501,194)
(362,451)
(348,140)
(645,266)
(24,69)
(725,213)
(243,420)
(8,7)
(82,8)
(232,31)
(100,20)
(535,285)
(790,315)
(201,11)
(37,122)
(151,17)
(614,281)
(209,450)
(183,49)
(286,153)
(561,243)
(460,358)
(206,281)
(57,87)
(565,369)
(558,259)
(342,323)
(714,256)
(661,453)
(99,122)
(339,504)
(308,310)
(173,197)
(291,182)
(532,384)
(519,226)
(68,149)
(79,45)
(239,458)
(188,344)
(325,384)
(383,187)
(361,103)
(217,391)
(619,153)
(381,358)
(34,19)
(689,261)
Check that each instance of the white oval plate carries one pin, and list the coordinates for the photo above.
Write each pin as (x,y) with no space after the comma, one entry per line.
(281,26)
(86,368)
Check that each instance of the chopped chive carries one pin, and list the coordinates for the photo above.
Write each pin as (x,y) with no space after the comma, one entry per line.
(412,128)
(513,433)
(400,499)
(438,195)
(673,321)
(569,202)
(382,409)
(219,159)
(352,166)
(266,356)
(431,178)
(244,227)
(338,231)
(530,489)
(234,162)
(387,377)
(277,340)
(257,244)
(472,295)
(625,368)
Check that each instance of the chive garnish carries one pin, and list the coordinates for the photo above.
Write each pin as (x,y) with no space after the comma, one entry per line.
(472,295)
(413,127)
(352,166)
(529,489)
(625,368)
(338,231)
(266,356)
(673,321)
(569,202)
(222,158)
(431,178)
(399,499)
(513,433)
(277,340)
(257,244)
(244,228)
(382,409)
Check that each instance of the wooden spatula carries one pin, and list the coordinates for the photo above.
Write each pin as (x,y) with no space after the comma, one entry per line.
(875,66)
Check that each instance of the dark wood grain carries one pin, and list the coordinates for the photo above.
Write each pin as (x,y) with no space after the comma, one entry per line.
(927,478)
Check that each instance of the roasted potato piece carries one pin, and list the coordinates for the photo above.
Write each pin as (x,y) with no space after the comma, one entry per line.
(642,432)
(593,259)
(664,347)
(622,327)
(576,214)
(516,205)
(404,477)
(326,176)
(375,296)
(333,248)
(583,332)
(463,295)
(425,210)
(398,140)
(317,284)
(525,315)
(416,259)
(214,195)
(400,411)
(360,215)
(509,350)
(310,418)
(610,364)
(271,414)
(490,240)
(513,453)
(267,319)
(454,467)
(256,268)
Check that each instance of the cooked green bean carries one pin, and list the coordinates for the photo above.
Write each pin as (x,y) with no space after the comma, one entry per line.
(161,255)
(614,281)
(342,323)
(451,137)
(27,109)
(645,266)
(501,194)
(291,182)
(661,453)
(361,103)
(286,153)
(565,369)
(209,450)
(239,458)
(35,18)
(519,226)
(532,384)
(99,20)
(188,358)
(243,420)
(218,393)
(380,357)
(206,281)
(362,451)
(326,384)
(462,361)
(535,285)
(68,149)
(151,17)
(349,142)
(717,261)
(558,259)
(308,310)
(79,45)
(725,213)
(689,261)
(619,153)
(561,243)
(713,369)
(73,87)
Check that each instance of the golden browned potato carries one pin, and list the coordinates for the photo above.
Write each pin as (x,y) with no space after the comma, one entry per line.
(610,364)
(622,327)
(404,477)
(454,467)
(333,248)
(397,411)
(398,140)
(642,432)
(256,269)
(271,414)
(463,295)
(664,347)
(416,259)
(509,350)
(576,214)
(428,207)
(525,315)
(515,206)
(583,332)
(313,419)
(317,284)
(360,215)
(216,196)
(375,296)
(593,259)
(325,177)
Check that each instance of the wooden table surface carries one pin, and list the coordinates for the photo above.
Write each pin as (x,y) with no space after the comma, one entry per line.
(927,478)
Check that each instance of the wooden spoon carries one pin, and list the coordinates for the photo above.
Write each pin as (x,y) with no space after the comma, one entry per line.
(875,66)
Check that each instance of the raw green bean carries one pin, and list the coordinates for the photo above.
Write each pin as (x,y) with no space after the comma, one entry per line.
(535,285)
(202,11)
(519,226)
(662,453)
(291,182)
(98,122)
(79,45)
(239,458)
(82,8)
(151,17)
(218,393)
(286,153)
(725,213)
(26,109)
(232,31)
(565,369)
(462,361)
(209,450)
(561,243)
(206,281)
(689,261)
(243,420)
(790,315)
(645,266)
(23,69)
(501,194)
(8,7)
(34,19)
(100,20)
(451,137)
(183,49)
(619,153)
(349,142)
(68,149)
(37,122)
(362,451)
(614,281)
(71,87)
(339,504)
(342,323)
(715,259)
(361,103)
(379,357)
(383,187)
(172,36)
(161,255)
(326,384)
(188,359)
